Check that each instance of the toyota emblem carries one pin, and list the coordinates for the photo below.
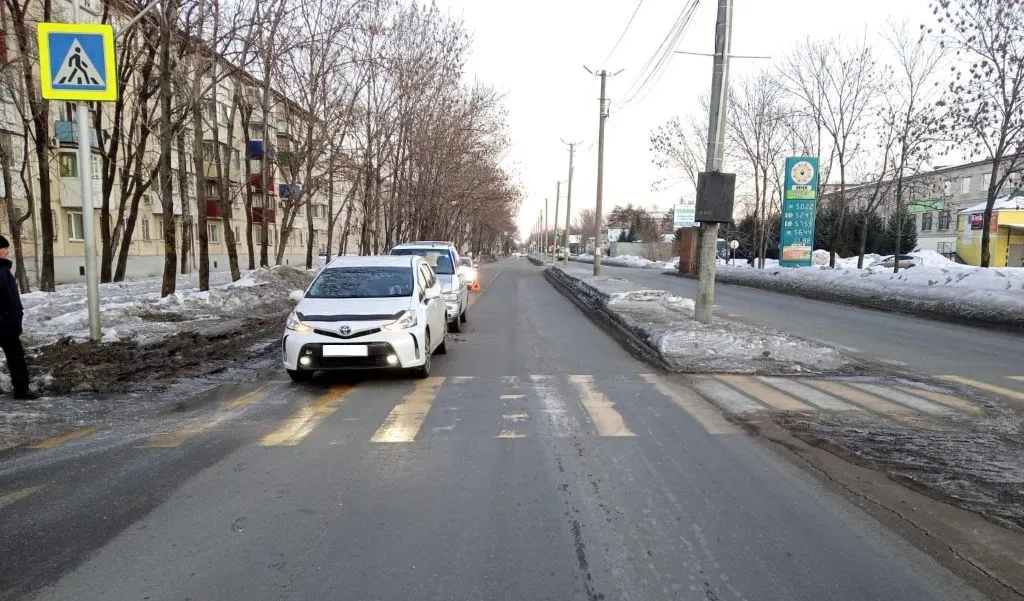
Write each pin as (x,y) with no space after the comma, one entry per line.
(345,330)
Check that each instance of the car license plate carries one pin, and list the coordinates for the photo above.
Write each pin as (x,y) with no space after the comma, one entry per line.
(346,350)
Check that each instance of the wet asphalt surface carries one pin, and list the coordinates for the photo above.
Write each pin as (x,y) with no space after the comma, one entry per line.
(548,463)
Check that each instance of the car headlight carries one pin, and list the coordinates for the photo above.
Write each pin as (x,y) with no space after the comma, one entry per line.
(451,297)
(295,324)
(406,321)
(471,275)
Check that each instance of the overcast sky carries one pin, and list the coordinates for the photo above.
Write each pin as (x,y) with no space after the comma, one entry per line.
(535,51)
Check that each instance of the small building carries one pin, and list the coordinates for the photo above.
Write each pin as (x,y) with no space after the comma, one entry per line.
(1006,232)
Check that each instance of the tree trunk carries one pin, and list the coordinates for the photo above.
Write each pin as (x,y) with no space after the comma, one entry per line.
(166,134)
(309,236)
(199,160)
(13,222)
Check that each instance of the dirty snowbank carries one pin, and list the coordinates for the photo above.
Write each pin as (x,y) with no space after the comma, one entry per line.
(148,336)
(664,324)
(629,261)
(936,287)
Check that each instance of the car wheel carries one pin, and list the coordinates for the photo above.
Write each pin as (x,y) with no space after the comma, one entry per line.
(442,349)
(300,376)
(463,317)
(455,326)
(423,370)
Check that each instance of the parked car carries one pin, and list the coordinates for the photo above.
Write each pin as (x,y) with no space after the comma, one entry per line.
(906,261)
(443,259)
(366,313)
(468,269)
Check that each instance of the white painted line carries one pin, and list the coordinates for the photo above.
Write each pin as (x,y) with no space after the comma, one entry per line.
(725,397)
(903,398)
(815,397)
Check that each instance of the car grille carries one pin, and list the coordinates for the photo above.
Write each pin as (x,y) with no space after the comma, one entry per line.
(377,357)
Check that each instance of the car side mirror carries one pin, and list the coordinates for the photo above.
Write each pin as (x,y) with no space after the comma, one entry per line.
(296,295)
(432,293)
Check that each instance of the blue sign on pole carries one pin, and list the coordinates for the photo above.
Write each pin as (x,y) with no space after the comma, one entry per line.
(799,202)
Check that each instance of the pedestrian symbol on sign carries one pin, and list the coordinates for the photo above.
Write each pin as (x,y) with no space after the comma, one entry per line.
(76,62)
(76,69)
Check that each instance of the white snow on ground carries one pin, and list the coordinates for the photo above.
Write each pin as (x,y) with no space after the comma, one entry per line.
(934,285)
(665,322)
(629,261)
(134,310)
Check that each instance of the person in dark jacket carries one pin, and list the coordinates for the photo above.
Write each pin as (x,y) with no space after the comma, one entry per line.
(11,313)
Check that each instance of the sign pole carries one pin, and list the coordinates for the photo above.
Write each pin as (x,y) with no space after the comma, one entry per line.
(88,213)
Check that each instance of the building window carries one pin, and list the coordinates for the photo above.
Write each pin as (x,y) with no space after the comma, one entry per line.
(212,190)
(146,234)
(56,224)
(236,158)
(67,164)
(209,151)
(160,228)
(965,185)
(238,233)
(75,227)
(214,233)
(944,219)
(926,222)
(983,183)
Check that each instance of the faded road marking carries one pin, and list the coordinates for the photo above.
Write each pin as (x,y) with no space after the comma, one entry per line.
(308,418)
(200,425)
(602,411)
(764,394)
(18,495)
(1006,392)
(406,418)
(509,422)
(945,399)
(813,396)
(859,397)
(706,415)
(50,443)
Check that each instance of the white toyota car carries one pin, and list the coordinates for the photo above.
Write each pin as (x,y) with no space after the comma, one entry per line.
(367,313)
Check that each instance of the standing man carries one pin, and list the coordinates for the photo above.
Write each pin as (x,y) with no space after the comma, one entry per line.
(11,313)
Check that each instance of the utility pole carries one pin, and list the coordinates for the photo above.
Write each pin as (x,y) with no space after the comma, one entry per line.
(558,201)
(568,195)
(704,310)
(545,250)
(602,115)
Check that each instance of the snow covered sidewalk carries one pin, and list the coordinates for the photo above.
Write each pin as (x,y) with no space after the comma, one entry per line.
(664,324)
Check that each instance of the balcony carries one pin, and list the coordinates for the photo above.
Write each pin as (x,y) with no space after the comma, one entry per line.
(292,191)
(286,158)
(66,132)
(254,149)
(257,215)
(257,181)
(213,209)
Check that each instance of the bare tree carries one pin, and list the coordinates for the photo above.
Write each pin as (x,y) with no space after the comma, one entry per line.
(984,106)
(837,84)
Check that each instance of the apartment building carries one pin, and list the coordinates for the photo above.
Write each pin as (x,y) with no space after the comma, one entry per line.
(937,201)
(268,158)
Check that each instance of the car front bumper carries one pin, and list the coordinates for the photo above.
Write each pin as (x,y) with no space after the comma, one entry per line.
(303,351)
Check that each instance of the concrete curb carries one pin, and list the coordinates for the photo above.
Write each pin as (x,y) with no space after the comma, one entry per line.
(593,304)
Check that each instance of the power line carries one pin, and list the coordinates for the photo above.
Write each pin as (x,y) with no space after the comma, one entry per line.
(623,35)
(660,58)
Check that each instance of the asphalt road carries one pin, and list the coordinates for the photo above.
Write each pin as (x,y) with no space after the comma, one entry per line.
(932,347)
(541,462)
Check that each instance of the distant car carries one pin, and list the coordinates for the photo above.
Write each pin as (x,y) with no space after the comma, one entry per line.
(468,269)
(906,261)
(443,259)
(366,313)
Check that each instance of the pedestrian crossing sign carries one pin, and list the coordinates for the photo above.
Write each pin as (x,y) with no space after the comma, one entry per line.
(76,61)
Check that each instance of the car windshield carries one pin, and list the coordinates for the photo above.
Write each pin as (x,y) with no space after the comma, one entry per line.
(362,282)
(438,259)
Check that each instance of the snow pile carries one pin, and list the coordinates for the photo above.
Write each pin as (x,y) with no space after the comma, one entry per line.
(629,261)
(134,310)
(935,286)
(664,324)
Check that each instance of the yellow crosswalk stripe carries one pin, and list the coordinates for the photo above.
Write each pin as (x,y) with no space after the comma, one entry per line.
(858,397)
(764,394)
(945,399)
(202,424)
(307,419)
(14,497)
(1006,392)
(50,443)
(705,414)
(1018,378)
(404,421)
(602,411)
